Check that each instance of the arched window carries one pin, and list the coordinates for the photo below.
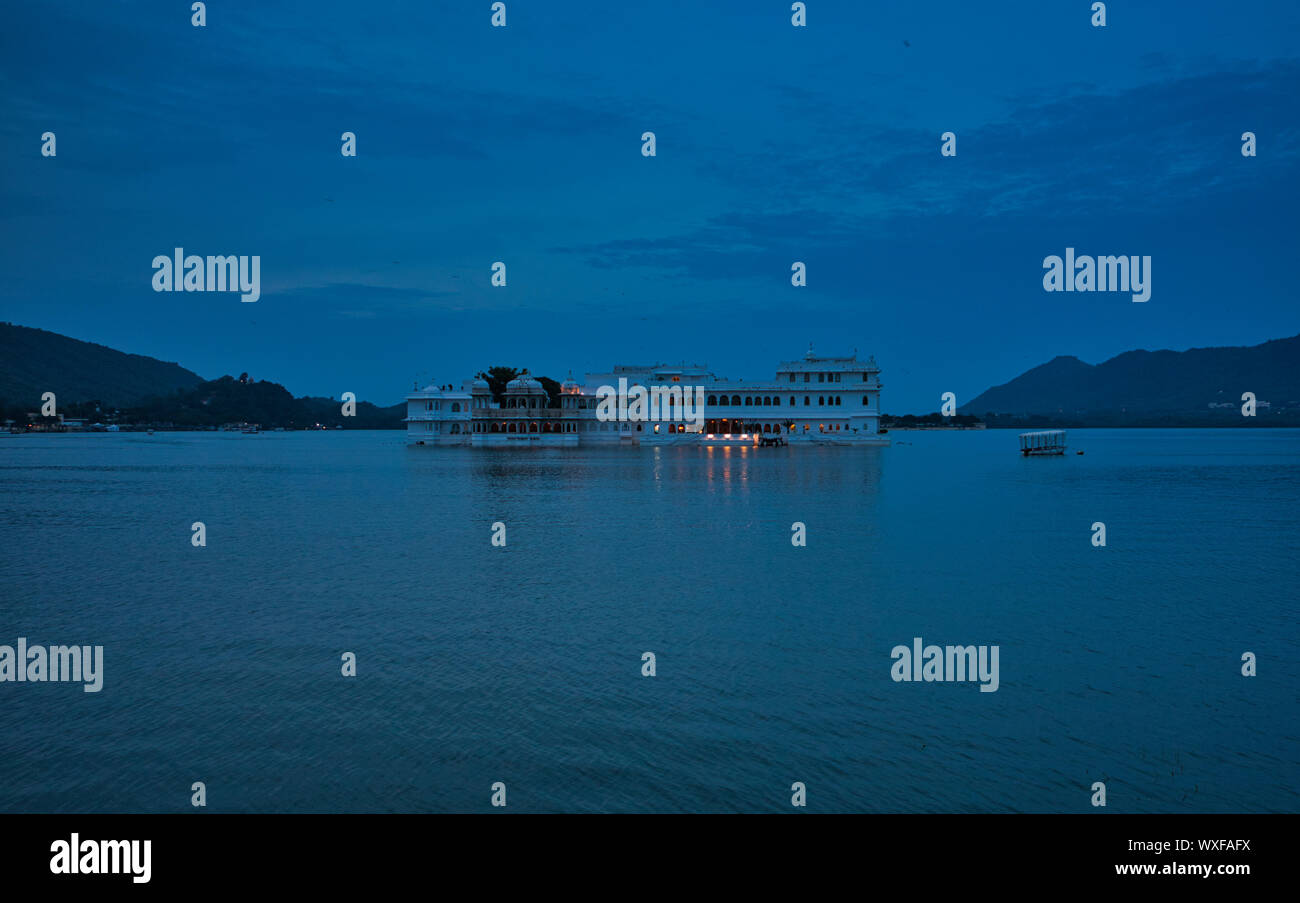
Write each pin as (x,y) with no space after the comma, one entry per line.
(839,400)
(821,400)
(532,427)
(767,400)
(866,402)
(735,400)
(455,407)
(807,401)
(712,399)
(748,401)
(511,428)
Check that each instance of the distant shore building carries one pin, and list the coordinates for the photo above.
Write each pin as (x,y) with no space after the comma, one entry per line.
(815,400)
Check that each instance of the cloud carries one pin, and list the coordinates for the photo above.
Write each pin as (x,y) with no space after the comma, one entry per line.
(1153,150)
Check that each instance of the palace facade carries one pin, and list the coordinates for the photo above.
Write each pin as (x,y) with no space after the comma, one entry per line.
(816,400)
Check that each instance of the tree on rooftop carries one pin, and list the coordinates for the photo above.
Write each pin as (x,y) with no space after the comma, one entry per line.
(497,377)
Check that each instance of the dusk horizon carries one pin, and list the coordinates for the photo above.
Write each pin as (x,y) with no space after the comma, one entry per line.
(424,379)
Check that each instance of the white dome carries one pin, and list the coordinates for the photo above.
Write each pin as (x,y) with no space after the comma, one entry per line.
(524,384)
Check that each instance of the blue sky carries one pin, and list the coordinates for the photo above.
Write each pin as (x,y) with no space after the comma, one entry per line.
(775,144)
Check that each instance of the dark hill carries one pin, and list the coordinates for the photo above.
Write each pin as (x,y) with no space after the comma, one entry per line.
(92,381)
(1163,386)
(33,361)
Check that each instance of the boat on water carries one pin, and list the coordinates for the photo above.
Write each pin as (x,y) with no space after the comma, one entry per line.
(1043,442)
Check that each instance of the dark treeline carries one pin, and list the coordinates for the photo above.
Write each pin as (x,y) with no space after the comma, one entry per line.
(906,421)
(1223,417)
(222,401)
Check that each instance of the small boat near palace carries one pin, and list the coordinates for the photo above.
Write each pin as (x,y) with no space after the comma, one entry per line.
(1043,442)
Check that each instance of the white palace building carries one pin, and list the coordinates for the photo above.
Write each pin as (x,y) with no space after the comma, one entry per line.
(816,400)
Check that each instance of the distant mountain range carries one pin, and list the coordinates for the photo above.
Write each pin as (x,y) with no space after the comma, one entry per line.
(1198,387)
(1201,386)
(91,381)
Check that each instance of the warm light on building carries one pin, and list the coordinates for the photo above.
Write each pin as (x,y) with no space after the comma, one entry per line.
(840,396)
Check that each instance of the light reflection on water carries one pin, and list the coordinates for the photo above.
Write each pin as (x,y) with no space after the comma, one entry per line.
(522,664)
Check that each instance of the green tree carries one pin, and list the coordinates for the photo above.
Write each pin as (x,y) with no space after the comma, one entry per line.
(497,377)
(552,391)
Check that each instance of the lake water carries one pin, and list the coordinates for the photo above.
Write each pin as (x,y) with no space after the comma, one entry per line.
(523,664)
